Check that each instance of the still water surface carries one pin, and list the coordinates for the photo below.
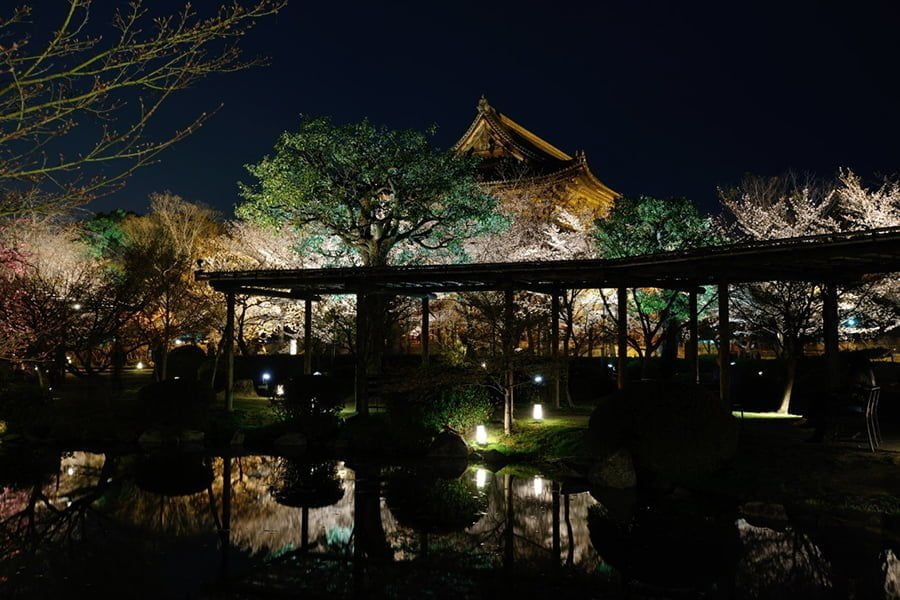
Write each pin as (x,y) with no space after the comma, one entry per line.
(191,526)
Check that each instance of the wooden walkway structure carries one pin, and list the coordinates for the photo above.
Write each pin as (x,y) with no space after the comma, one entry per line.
(830,260)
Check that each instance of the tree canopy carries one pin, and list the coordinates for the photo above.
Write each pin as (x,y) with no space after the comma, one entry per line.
(370,195)
(646,225)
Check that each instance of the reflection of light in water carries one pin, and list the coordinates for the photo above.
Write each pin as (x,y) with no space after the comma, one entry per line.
(538,486)
(773,562)
(891,569)
(480,478)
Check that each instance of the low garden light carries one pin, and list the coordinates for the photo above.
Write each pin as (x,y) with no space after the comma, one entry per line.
(179,342)
(537,412)
(484,365)
(76,306)
(139,366)
(480,478)
(279,390)
(481,435)
(538,379)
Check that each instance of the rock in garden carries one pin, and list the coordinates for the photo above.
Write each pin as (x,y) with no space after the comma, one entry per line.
(493,457)
(676,432)
(615,471)
(448,444)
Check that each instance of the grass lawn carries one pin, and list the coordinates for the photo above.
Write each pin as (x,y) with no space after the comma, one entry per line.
(764,415)
(560,434)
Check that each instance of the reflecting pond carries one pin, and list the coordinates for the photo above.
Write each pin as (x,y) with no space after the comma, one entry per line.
(196,526)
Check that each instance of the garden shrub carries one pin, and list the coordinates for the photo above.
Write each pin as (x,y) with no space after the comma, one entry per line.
(460,407)
(312,403)
(185,362)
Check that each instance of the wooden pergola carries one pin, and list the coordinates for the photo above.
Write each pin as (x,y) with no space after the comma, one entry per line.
(830,260)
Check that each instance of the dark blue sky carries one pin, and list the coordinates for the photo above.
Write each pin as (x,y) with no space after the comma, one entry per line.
(666,98)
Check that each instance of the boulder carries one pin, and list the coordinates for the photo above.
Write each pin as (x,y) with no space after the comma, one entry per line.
(676,432)
(493,457)
(448,444)
(616,471)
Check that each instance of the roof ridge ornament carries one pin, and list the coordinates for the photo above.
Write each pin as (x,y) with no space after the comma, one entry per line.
(483,105)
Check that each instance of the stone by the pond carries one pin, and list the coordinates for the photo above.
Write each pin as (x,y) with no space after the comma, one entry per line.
(493,457)
(615,471)
(237,438)
(676,432)
(448,444)
(294,441)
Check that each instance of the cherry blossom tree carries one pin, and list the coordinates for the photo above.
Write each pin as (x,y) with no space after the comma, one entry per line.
(76,107)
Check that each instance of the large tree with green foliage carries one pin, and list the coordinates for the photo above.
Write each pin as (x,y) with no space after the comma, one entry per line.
(370,195)
(646,225)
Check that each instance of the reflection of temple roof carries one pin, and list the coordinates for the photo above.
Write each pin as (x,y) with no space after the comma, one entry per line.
(513,156)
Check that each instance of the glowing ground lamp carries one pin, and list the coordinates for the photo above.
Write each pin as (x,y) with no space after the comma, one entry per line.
(481,435)
(537,412)
(480,478)
(139,366)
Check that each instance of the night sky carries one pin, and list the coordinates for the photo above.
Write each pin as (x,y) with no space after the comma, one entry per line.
(666,99)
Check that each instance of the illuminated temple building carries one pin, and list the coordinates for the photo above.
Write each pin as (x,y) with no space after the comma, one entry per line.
(518,162)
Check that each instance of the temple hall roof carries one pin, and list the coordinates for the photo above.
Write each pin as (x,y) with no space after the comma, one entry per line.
(512,155)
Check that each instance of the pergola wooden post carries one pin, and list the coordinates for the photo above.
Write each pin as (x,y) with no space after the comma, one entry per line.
(554,344)
(229,350)
(426,319)
(691,351)
(622,336)
(508,349)
(362,347)
(724,343)
(831,323)
(307,336)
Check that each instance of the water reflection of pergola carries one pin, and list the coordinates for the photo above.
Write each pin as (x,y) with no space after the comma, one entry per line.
(829,260)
